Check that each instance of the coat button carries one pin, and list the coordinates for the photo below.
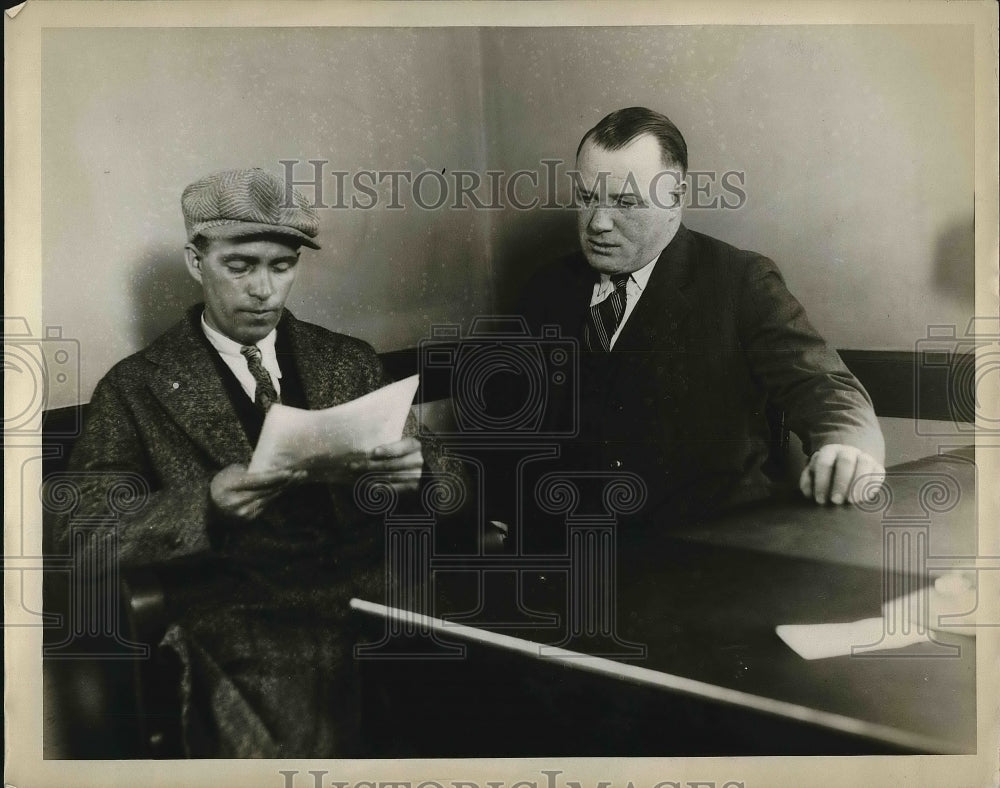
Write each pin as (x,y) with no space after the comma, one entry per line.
(616,464)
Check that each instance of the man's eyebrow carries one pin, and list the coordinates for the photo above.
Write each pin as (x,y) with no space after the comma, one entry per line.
(241,256)
(609,193)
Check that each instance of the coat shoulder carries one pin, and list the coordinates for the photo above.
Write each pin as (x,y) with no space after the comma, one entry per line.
(315,336)
(134,368)
(570,269)
(718,255)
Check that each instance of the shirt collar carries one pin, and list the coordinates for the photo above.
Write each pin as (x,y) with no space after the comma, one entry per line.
(640,277)
(229,347)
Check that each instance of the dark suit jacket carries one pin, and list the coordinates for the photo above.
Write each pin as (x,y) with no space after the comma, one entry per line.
(681,398)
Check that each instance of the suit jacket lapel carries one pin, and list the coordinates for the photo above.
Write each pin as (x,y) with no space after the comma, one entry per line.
(655,322)
(651,348)
(188,386)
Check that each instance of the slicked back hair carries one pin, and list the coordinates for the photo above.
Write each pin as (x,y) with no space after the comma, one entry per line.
(622,126)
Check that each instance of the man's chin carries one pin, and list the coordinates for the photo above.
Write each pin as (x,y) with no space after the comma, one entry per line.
(253,331)
(606,263)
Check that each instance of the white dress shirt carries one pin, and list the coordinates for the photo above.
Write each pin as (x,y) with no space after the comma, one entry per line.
(237,362)
(633,291)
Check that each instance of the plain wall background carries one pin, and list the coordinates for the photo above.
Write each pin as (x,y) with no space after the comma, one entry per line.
(130,117)
(856,144)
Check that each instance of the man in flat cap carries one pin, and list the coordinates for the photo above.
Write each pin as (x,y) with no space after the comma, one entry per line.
(262,631)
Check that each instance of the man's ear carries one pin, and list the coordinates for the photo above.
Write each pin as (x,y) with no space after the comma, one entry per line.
(192,257)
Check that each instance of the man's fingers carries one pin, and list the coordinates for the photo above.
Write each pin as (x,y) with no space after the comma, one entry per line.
(806,481)
(867,479)
(822,470)
(265,480)
(839,473)
(252,509)
(399,448)
(249,504)
(862,479)
(266,498)
(405,476)
(411,461)
(409,482)
(843,474)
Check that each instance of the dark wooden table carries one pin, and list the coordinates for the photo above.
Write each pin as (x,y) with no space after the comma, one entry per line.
(683,657)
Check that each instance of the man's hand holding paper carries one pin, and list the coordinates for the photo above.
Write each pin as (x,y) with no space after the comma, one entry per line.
(338,445)
(239,494)
(401,462)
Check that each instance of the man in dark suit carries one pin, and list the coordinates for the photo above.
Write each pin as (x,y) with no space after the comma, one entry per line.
(686,339)
(261,632)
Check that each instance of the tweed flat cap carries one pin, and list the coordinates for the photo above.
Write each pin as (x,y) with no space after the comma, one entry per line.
(238,203)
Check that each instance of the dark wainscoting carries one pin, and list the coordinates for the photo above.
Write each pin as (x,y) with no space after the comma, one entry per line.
(901,384)
(917,385)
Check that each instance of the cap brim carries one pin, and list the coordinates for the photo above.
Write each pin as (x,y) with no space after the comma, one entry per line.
(231,230)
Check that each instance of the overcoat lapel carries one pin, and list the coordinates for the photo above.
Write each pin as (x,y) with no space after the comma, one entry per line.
(314,375)
(186,383)
(327,379)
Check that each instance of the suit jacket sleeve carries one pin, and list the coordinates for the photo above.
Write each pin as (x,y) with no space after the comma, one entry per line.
(823,402)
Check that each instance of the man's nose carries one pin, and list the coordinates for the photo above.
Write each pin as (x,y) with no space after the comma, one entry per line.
(600,220)
(260,284)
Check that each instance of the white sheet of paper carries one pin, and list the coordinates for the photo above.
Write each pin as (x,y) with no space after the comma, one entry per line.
(819,641)
(947,606)
(297,438)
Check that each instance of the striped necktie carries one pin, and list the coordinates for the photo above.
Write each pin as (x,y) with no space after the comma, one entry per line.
(266,395)
(606,315)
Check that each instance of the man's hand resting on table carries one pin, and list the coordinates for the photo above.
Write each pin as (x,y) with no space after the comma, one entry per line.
(837,473)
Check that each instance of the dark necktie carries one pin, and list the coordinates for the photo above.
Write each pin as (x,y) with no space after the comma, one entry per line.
(266,395)
(606,315)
